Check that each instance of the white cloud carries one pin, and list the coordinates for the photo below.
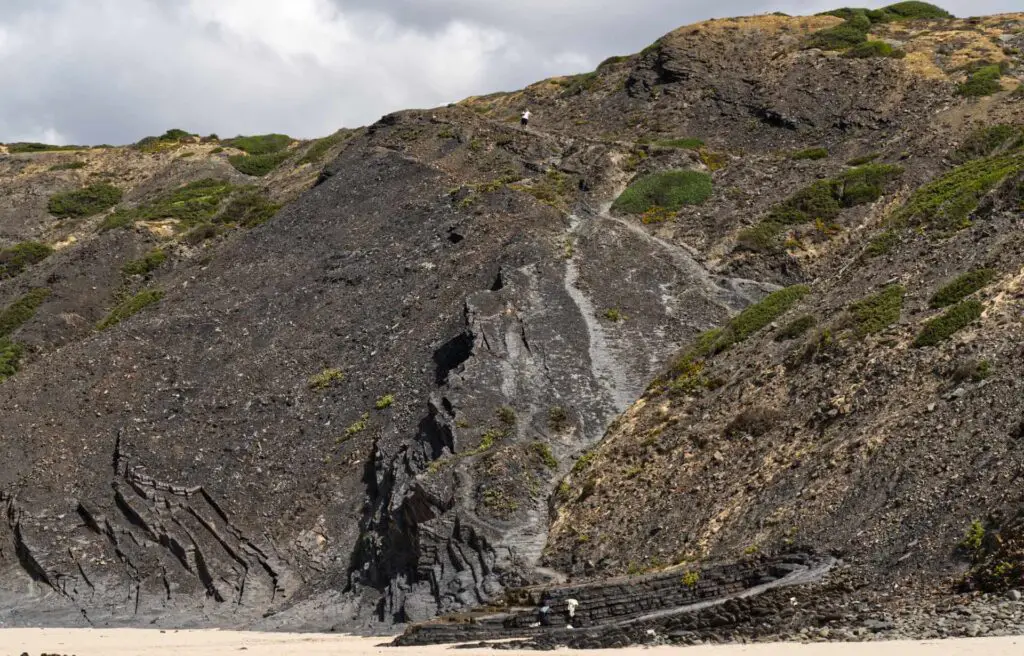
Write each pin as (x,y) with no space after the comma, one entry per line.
(116,70)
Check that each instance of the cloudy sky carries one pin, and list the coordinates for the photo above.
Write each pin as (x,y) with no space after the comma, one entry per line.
(113,71)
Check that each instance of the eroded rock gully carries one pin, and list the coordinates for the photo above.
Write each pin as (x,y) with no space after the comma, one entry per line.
(461,512)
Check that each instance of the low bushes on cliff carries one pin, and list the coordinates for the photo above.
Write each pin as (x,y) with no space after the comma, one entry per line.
(84,202)
(670,190)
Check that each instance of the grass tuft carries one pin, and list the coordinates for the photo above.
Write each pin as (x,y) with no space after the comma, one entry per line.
(248,209)
(145,264)
(947,202)
(191,204)
(21,310)
(258,165)
(982,82)
(10,358)
(951,321)
(670,190)
(796,328)
(738,329)
(876,313)
(130,307)
(821,201)
(326,378)
(17,258)
(870,49)
(321,147)
(260,144)
(961,287)
(84,202)
(68,166)
(989,140)
(810,153)
(691,143)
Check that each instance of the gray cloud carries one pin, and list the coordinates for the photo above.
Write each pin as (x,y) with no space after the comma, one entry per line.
(115,70)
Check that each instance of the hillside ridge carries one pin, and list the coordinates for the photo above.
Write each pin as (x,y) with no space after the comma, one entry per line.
(752,294)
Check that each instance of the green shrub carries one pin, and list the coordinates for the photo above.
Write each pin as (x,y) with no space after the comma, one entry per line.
(357,426)
(952,320)
(686,143)
(115,220)
(796,328)
(145,264)
(543,451)
(864,159)
(866,184)
(21,310)
(33,147)
(611,61)
(760,314)
(946,203)
(10,358)
(897,12)
(385,402)
(507,416)
(989,140)
(810,153)
(760,238)
(669,189)
(584,461)
(870,49)
(822,201)
(131,306)
(326,378)
(963,286)
(577,84)
(217,151)
(690,579)
(200,233)
(982,82)
(974,537)
(248,209)
(913,9)
(320,147)
(883,243)
(194,203)
(852,32)
(971,370)
(261,144)
(174,134)
(614,315)
(258,165)
(87,201)
(876,313)
(739,328)
(69,166)
(558,418)
(17,258)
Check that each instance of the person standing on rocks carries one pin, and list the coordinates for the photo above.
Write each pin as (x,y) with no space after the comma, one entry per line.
(544,613)
(570,608)
(525,120)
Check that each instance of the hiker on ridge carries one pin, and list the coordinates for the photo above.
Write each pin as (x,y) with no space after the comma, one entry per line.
(524,121)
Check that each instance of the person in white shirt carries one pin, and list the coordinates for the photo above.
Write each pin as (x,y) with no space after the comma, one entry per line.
(526,118)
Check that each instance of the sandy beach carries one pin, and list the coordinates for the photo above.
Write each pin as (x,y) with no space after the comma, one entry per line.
(127,642)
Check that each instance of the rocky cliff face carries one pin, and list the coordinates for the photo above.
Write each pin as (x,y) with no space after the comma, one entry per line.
(369,408)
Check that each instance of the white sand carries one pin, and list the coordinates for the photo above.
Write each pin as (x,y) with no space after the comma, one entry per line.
(127,642)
